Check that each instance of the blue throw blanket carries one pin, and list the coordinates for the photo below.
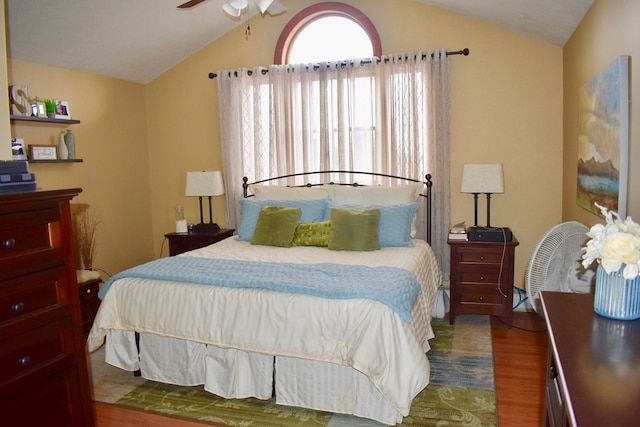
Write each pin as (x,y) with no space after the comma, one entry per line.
(394,287)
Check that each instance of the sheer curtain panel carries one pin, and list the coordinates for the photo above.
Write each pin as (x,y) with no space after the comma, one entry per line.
(387,115)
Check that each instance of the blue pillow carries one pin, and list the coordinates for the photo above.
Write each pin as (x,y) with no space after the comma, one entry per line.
(312,211)
(394,226)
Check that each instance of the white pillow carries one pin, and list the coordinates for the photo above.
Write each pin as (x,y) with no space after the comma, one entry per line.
(375,195)
(282,192)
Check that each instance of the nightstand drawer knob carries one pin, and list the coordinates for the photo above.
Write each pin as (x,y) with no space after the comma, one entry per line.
(18,307)
(88,290)
(24,361)
(9,243)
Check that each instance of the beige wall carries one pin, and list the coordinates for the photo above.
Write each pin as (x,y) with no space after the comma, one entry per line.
(112,141)
(507,108)
(138,142)
(5,131)
(610,29)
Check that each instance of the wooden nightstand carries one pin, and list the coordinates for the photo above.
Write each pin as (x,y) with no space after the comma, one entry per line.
(482,278)
(183,242)
(89,302)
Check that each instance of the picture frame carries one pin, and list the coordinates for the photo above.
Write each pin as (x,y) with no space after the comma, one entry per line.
(18,150)
(41,109)
(62,110)
(43,152)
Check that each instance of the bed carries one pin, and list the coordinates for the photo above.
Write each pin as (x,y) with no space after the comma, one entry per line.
(317,317)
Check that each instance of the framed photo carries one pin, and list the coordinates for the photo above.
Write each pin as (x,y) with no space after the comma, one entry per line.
(43,152)
(41,109)
(17,149)
(62,110)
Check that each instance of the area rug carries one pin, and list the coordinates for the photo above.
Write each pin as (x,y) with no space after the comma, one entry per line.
(461,392)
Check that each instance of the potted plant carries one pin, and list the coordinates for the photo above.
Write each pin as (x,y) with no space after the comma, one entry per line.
(50,107)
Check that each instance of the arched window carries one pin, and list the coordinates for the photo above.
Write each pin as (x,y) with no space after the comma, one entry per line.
(318,33)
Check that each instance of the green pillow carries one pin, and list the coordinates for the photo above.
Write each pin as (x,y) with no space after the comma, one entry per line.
(312,234)
(276,226)
(354,229)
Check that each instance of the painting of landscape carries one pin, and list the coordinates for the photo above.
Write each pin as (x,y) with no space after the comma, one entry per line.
(603,139)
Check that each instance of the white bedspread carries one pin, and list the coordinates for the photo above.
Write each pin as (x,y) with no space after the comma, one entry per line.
(359,333)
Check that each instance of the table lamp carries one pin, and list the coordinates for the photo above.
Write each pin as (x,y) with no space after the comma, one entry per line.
(482,178)
(205,184)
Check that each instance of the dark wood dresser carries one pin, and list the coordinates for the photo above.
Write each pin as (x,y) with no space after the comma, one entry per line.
(593,375)
(482,278)
(44,379)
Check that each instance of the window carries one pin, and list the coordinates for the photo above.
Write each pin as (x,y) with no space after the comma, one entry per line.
(318,33)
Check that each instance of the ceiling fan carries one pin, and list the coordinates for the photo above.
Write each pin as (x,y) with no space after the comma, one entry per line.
(235,7)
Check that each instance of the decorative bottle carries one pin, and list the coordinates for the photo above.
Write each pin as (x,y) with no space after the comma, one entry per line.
(63,153)
(70,142)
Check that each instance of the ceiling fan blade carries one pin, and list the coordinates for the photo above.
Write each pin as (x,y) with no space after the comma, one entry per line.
(276,8)
(189,4)
(263,5)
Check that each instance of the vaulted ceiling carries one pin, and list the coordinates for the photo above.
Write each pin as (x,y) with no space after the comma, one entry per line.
(137,40)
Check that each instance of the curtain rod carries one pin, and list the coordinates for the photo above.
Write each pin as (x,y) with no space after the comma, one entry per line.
(464,52)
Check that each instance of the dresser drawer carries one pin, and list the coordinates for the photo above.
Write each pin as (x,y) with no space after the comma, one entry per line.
(28,295)
(29,241)
(35,349)
(480,294)
(477,255)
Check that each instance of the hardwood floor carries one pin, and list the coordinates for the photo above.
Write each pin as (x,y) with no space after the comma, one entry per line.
(520,359)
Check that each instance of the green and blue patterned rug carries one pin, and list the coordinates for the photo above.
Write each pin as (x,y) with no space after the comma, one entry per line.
(461,393)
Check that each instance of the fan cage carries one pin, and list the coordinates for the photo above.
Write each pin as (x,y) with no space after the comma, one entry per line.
(552,244)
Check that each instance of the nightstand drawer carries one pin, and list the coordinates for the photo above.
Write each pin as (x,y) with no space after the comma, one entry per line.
(479,275)
(89,302)
(480,294)
(480,255)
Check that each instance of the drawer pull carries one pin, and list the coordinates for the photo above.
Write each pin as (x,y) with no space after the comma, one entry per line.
(18,307)
(481,257)
(481,298)
(552,373)
(482,278)
(24,361)
(9,243)
(88,290)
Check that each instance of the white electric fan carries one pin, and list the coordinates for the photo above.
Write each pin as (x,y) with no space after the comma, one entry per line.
(555,264)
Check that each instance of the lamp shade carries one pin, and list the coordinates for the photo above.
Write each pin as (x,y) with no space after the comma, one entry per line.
(482,178)
(204,183)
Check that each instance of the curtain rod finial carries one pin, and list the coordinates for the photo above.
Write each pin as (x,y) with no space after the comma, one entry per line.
(212,75)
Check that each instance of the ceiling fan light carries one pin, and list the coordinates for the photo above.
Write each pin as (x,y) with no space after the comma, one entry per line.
(276,8)
(231,11)
(238,4)
(263,5)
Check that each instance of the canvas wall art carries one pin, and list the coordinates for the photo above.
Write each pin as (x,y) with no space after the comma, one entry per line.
(603,139)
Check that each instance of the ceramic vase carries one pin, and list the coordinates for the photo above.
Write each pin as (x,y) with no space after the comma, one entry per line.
(70,142)
(615,296)
(63,153)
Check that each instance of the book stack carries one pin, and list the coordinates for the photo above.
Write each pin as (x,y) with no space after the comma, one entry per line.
(15,176)
(458,232)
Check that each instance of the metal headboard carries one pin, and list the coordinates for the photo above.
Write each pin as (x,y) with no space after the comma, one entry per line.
(427,182)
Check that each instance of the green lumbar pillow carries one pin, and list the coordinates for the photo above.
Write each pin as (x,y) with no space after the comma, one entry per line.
(312,234)
(354,229)
(276,226)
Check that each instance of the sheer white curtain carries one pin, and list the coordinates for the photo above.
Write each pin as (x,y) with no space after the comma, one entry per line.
(389,116)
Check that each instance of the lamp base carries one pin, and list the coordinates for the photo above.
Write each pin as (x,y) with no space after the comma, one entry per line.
(490,234)
(211,227)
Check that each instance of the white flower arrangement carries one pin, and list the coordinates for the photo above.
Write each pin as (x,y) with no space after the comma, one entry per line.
(614,244)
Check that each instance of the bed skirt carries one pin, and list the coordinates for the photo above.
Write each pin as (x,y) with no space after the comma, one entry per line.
(231,373)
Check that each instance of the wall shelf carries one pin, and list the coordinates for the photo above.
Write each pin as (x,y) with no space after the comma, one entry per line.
(43,119)
(57,161)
